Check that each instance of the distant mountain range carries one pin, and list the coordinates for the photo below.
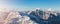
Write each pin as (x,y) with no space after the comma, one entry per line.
(35,16)
(43,16)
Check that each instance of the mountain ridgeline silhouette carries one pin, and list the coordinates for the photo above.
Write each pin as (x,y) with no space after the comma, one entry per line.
(42,16)
(36,16)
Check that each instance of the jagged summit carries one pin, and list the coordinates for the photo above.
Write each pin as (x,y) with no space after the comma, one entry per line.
(50,9)
(37,16)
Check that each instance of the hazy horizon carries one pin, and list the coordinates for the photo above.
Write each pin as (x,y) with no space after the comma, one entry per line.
(30,4)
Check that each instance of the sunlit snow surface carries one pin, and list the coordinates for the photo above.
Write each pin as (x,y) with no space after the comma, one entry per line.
(15,18)
(29,17)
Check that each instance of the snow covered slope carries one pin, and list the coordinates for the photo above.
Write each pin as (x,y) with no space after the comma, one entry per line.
(35,16)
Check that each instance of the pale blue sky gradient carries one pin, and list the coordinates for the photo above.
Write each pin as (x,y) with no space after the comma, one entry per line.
(29,4)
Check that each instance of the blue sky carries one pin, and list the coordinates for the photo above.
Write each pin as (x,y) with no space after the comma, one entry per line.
(29,4)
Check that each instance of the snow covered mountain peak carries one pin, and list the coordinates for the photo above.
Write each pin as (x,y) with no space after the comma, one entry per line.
(50,9)
(37,16)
